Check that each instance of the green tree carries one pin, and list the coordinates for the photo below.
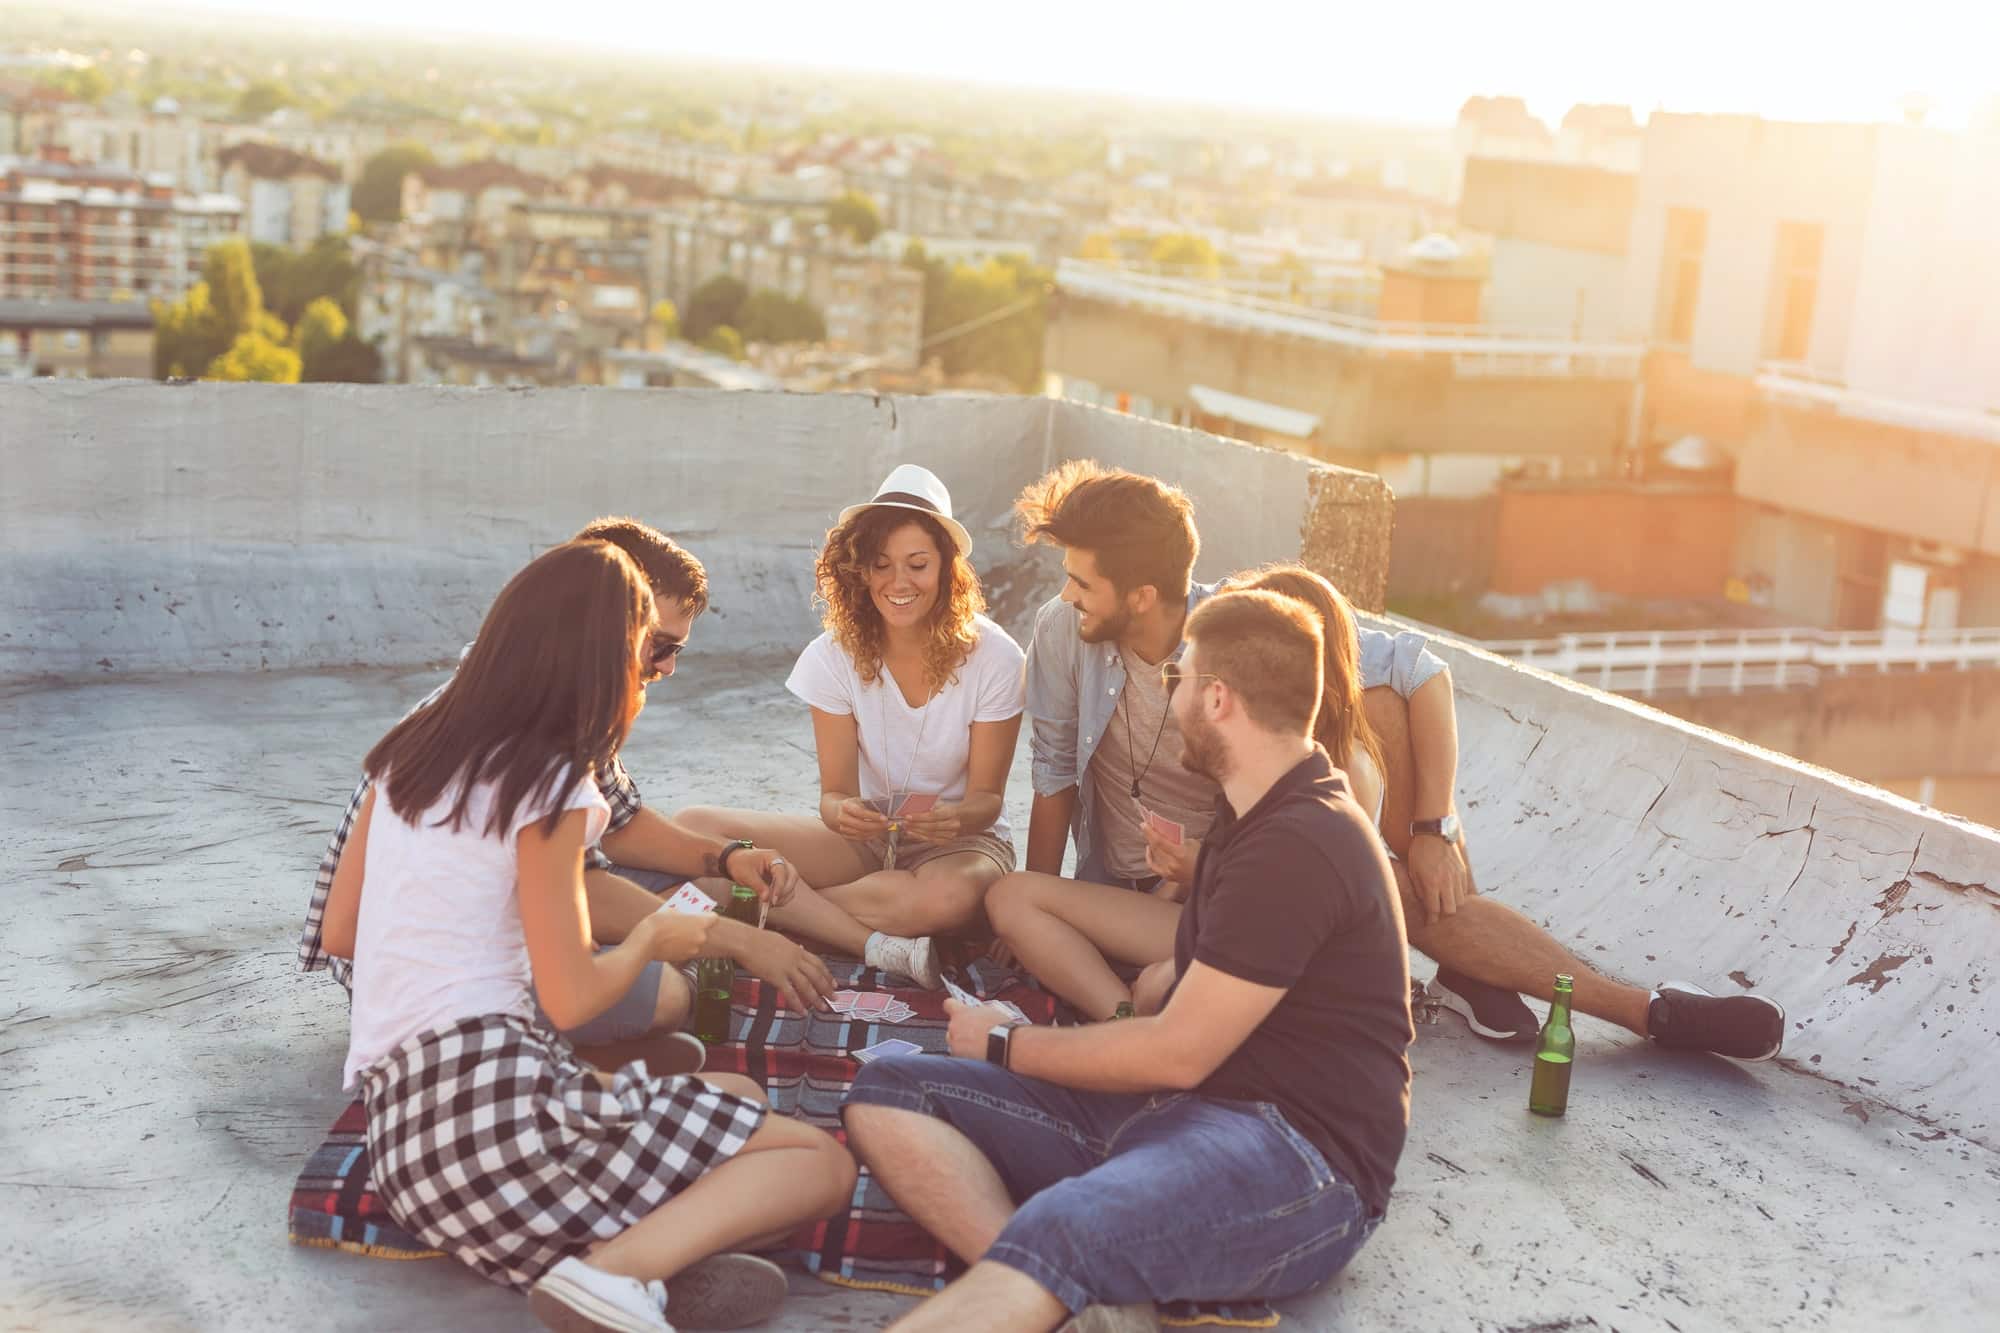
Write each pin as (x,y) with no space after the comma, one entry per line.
(254,357)
(378,195)
(291,280)
(989,317)
(772,317)
(230,270)
(349,361)
(1187,253)
(666,319)
(716,302)
(263,97)
(724,340)
(855,213)
(187,335)
(322,326)
(86,83)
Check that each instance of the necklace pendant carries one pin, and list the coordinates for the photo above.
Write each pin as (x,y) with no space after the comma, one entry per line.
(1135,789)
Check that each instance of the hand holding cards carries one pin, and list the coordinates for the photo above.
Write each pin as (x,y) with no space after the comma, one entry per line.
(1166,830)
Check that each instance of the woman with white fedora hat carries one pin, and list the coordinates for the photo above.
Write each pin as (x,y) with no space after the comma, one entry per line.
(916,701)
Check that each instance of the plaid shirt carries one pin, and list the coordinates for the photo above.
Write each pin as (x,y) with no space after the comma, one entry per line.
(613,782)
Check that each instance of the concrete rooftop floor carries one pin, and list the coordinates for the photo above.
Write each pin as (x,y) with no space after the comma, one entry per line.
(166,1069)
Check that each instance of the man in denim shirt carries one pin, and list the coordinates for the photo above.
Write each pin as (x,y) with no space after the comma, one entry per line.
(1105,759)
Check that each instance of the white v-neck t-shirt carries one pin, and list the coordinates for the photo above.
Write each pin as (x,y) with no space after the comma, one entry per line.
(924,751)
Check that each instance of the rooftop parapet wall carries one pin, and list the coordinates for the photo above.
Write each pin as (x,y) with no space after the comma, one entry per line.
(157,528)
(1659,850)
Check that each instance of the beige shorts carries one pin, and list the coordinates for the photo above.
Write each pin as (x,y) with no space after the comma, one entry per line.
(912,852)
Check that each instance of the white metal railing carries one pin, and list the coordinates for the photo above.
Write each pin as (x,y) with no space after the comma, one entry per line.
(1697,661)
(1476,348)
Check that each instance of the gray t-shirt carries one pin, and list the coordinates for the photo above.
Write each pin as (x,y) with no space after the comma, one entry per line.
(1142,742)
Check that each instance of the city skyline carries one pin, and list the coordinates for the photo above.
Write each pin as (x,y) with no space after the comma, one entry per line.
(1784,61)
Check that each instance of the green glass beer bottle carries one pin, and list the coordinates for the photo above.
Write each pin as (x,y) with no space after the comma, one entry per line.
(1548,1094)
(1124,1010)
(715,978)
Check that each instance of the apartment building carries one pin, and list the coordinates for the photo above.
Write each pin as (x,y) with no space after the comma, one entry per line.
(76,339)
(288,197)
(89,233)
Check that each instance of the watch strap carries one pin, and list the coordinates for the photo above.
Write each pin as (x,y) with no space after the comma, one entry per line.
(999,1043)
(729,848)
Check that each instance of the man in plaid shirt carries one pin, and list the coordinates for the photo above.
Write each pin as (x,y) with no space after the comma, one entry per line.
(639,842)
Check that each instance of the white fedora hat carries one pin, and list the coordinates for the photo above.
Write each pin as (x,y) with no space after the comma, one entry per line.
(917,488)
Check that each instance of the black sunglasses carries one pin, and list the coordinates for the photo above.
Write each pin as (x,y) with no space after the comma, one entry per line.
(1171,676)
(663,650)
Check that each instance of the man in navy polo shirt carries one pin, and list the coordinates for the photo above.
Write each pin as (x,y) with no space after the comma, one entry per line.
(1239,1138)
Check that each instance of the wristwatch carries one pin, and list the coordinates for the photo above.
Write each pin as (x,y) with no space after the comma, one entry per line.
(728,848)
(1446,828)
(998,1043)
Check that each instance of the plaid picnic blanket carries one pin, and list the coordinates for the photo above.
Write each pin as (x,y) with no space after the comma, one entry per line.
(805,1062)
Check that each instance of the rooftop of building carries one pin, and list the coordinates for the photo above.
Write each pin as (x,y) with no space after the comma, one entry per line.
(269,161)
(201,631)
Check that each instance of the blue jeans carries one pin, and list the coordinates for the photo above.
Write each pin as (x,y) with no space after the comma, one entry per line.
(632,1015)
(1131,1198)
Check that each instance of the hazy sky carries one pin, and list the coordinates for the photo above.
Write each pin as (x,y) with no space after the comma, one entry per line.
(1399,59)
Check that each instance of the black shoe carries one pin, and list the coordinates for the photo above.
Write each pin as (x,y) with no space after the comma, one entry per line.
(1742,1027)
(1493,1013)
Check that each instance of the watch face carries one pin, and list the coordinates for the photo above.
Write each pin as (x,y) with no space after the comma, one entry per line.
(1448,826)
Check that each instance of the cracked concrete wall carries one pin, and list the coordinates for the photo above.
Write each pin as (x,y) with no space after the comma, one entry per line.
(147,527)
(1659,850)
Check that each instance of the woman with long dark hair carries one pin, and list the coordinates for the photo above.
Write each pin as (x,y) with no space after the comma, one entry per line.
(916,700)
(460,899)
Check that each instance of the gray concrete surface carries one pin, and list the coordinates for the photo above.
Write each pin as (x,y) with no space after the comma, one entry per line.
(166,1069)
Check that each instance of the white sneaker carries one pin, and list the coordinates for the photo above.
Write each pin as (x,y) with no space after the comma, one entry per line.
(573,1297)
(916,959)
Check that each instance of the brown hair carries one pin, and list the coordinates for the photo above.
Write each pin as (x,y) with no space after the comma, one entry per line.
(842,574)
(672,570)
(1342,727)
(1138,529)
(544,694)
(1266,648)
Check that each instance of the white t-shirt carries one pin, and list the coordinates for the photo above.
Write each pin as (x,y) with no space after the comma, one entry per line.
(989,688)
(439,936)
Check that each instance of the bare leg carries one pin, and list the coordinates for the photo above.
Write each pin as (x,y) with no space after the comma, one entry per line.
(935,1173)
(938,896)
(1062,930)
(991,1298)
(788,1173)
(1493,943)
(1485,939)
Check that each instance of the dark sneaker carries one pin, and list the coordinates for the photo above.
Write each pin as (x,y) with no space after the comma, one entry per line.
(1493,1013)
(726,1291)
(1742,1027)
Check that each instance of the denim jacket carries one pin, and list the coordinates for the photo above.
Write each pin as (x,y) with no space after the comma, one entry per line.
(1073,690)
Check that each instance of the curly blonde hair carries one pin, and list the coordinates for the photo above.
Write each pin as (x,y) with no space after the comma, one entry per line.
(850,616)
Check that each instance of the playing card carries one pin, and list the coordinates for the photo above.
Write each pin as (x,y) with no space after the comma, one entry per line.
(1166,830)
(959,993)
(891,1046)
(842,1001)
(917,803)
(868,1003)
(881,805)
(689,900)
(895,1013)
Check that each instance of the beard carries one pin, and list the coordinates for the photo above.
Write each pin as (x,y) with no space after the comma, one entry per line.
(1109,629)
(1203,752)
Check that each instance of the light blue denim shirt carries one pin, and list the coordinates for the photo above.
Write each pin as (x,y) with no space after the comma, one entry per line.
(1073,690)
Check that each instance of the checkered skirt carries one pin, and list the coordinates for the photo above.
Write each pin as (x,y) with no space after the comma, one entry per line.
(493,1143)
